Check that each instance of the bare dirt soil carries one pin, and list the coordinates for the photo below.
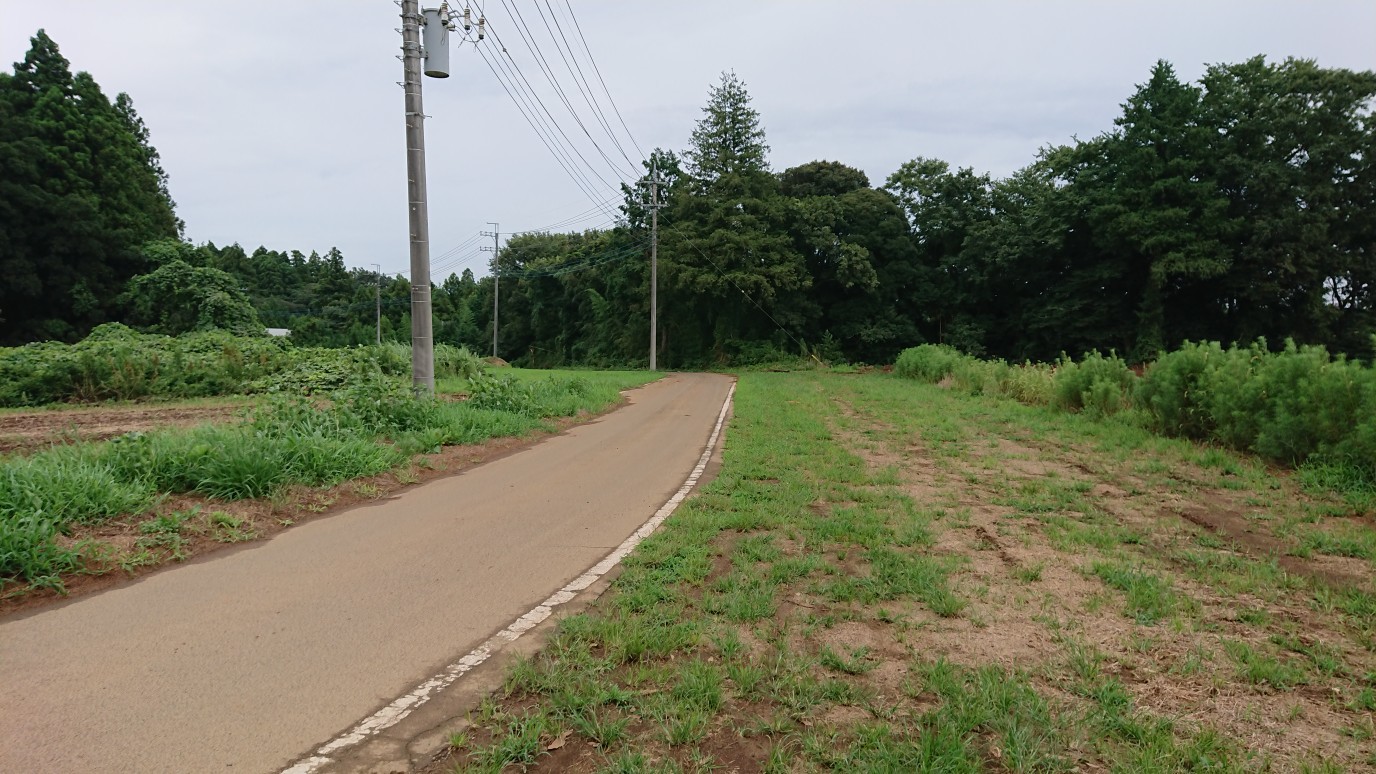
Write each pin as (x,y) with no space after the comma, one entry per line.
(29,431)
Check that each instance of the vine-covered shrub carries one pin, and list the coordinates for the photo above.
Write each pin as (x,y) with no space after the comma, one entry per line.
(117,363)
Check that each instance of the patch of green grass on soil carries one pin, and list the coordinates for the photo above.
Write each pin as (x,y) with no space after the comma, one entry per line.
(887,576)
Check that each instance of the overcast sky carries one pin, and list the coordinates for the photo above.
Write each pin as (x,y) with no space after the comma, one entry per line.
(280,122)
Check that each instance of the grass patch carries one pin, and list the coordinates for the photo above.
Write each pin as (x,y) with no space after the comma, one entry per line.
(862,525)
(1149,597)
(371,425)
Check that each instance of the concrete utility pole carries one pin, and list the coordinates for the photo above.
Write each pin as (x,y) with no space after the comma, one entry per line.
(654,266)
(377,297)
(422,336)
(496,278)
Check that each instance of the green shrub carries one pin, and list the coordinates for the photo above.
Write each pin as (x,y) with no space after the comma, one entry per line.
(379,406)
(1232,394)
(501,393)
(1098,385)
(1174,392)
(455,361)
(117,363)
(979,377)
(1296,406)
(1313,404)
(927,362)
(1287,406)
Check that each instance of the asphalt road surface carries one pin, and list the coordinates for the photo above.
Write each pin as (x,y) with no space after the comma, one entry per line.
(248,660)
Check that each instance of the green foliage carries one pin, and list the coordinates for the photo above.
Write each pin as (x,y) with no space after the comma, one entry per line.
(1299,406)
(82,189)
(1096,384)
(178,298)
(373,423)
(934,363)
(116,363)
(1215,210)
(501,393)
(1289,406)
(41,496)
(928,362)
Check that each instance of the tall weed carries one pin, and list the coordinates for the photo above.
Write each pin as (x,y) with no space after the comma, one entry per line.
(1098,385)
(1295,406)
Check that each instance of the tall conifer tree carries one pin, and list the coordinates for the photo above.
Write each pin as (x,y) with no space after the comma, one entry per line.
(81,190)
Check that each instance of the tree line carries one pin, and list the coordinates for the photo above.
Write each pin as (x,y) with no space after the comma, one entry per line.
(1237,207)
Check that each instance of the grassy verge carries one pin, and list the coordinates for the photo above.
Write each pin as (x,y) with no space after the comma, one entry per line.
(55,502)
(889,576)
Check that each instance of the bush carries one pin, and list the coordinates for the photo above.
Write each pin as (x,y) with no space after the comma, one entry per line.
(928,362)
(1313,405)
(1030,383)
(1098,385)
(1287,406)
(1294,406)
(117,363)
(501,393)
(1174,391)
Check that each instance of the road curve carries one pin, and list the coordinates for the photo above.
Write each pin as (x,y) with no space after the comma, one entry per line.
(245,661)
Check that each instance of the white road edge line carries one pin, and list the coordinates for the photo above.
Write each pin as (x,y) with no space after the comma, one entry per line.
(393,713)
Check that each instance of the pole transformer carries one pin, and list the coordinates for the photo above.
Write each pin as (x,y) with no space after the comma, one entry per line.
(422,336)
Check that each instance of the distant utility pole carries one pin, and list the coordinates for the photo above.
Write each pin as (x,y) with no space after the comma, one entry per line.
(496,278)
(654,265)
(377,297)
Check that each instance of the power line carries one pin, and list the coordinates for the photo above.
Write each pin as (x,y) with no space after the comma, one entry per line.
(581,263)
(538,115)
(531,97)
(598,72)
(528,38)
(598,211)
(450,266)
(584,87)
(569,167)
(457,248)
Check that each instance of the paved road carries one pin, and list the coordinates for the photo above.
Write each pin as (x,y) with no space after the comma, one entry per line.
(246,661)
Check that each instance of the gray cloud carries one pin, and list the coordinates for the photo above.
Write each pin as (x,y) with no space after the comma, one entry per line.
(281,123)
